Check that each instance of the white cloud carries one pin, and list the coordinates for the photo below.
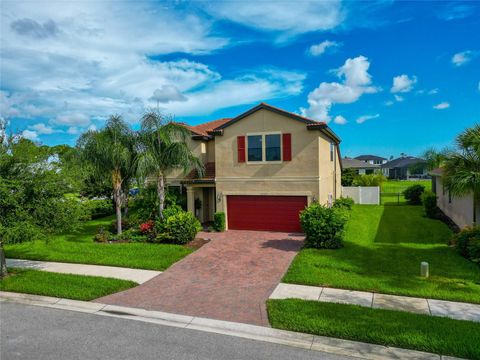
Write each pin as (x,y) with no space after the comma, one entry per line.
(433,91)
(398,98)
(340,120)
(71,62)
(442,106)
(364,118)
(403,83)
(319,49)
(30,134)
(73,130)
(355,81)
(289,17)
(462,58)
(72,119)
(389,103)
(41,129)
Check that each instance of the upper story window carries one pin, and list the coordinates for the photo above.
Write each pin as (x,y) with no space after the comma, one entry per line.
(332,151)
(264,147)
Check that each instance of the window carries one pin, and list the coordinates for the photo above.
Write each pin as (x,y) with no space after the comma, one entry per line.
(255,148)
(264,147)
(332,149)
(272,147)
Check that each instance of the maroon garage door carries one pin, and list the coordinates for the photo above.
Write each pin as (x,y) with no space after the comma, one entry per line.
(270,213)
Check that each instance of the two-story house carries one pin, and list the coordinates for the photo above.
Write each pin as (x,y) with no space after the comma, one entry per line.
(262,168)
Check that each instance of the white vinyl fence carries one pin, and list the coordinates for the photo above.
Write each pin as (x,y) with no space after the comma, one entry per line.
(362,194)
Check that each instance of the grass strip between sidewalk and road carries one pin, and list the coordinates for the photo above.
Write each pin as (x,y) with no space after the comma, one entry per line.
(378,326)
(76,287)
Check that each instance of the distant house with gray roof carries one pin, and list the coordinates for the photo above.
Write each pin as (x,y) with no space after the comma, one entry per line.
(372,159)
(360,167)
(404,168)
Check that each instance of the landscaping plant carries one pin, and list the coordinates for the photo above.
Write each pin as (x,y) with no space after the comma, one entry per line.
(344,203)
(219,221)
(323,226)
(413,194)
(467,243)
(429,200)
(369,180)
(179,228)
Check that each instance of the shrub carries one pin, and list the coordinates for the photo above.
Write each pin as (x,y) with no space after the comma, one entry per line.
(125,235)
(413,194)
(344,203)
(126,224)
(219,221)
(20,232)
(172,210)
(429,200)
(100,208)
(369,180)
(102,236)
(323,226)
(179,228)
(467,243)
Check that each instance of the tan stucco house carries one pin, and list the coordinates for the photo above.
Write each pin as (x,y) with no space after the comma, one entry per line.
(261,168)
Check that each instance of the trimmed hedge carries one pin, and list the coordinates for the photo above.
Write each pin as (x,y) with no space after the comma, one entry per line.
(467,243)
(344,203)
(429,200)
(413,194)
(219,221)
(179,228)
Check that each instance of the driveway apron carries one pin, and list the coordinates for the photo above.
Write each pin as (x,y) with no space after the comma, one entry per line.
(230,278)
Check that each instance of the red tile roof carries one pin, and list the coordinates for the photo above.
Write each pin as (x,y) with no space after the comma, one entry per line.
(203,129)
(209,173)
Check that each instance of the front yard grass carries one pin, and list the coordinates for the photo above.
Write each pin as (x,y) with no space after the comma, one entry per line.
(80,248)
(386,327)
(77,287)
(384,246)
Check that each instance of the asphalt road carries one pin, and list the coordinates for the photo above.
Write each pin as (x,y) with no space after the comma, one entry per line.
(31,332)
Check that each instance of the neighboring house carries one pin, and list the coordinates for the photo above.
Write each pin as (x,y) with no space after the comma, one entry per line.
(404,168)
(262,168)
(372,159)
(360,167)
(459,209)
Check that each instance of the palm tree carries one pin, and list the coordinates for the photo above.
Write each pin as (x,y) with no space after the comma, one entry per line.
(111,150)
(462,167)
(164,148)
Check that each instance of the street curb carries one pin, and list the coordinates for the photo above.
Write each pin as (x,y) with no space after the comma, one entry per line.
(253,332)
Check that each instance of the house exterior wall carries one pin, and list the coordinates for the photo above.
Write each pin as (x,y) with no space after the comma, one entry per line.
(459,209)
(310,172)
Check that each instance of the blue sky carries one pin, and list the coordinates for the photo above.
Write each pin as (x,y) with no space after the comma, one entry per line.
(388,77)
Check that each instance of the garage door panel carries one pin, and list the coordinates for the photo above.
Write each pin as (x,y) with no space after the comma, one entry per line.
(270,213)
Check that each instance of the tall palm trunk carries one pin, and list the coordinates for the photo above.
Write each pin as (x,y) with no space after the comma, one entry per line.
(117,197)
(161,194)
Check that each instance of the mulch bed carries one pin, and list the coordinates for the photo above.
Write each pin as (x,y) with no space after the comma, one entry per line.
(197,243)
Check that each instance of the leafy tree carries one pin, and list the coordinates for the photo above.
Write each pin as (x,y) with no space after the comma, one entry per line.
(462,167)
(369,180)
(348,175)
(434,158)
(163,149)
(111,150)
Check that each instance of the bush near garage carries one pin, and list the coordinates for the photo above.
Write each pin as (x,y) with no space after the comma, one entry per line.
(344,203)
(324,227)
(219,221)
(178,228)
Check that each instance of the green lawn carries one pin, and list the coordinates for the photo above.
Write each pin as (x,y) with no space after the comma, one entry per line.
(391,187)
(80,248)
(68,286)
(383,249)
(386,327)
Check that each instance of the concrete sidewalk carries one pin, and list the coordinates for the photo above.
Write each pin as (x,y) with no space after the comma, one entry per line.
(321,344)
(137,275)
(451,309)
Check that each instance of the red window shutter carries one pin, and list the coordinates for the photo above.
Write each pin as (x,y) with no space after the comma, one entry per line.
(287,147)
(241,148)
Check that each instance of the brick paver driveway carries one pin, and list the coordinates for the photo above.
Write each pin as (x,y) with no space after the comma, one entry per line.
(230,278)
